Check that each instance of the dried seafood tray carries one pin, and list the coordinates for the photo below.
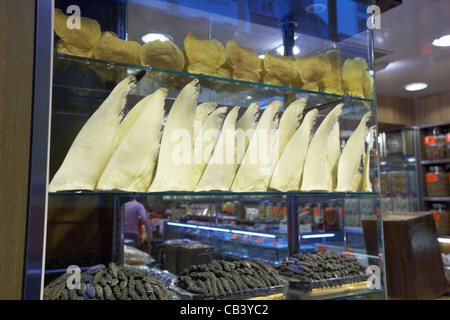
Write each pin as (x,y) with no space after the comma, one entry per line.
(316,286)
(230,280)
(320,270)
(270,293)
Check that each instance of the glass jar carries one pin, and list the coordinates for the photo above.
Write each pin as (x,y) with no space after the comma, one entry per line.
(262,210)
(437,182)
(331,219)
(434,144)
(317,217)
(441,218)
(305,214)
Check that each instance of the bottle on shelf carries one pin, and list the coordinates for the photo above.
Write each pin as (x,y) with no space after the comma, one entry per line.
(434,144)
(437,182)
(441,218)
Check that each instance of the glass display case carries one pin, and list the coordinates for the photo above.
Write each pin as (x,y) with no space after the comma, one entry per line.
(309,60)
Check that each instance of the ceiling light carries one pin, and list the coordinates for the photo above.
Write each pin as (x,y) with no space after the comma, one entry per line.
(156,36)
(442,41)
(415,86)
(316,8)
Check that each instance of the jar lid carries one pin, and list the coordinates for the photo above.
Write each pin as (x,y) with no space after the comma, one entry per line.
(439,206)
(436,130)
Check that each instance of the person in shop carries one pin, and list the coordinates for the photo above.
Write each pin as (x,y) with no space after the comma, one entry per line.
(133,212)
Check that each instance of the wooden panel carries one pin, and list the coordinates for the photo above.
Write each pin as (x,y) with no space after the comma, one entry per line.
(395,110)
(16,88)
(414,268)
(433,109)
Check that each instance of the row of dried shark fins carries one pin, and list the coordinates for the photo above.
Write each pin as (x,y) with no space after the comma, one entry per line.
(203,147)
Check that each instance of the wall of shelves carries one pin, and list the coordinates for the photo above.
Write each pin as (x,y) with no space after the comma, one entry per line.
(429,162)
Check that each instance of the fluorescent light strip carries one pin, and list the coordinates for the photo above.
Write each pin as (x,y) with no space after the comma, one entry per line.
(221,229)
(181,225)
(254,234)
(444,240)
(213,229)
(323,235)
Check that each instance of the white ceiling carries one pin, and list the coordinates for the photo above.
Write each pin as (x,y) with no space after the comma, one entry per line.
(406,34)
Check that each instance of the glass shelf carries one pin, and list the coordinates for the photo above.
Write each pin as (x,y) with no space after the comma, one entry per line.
(214,194)
(435,161)
(100,72)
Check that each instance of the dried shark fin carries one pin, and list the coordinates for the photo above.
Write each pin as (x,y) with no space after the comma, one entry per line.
(205,142)
(290,166)
(350,159)
(219,172)
(317,175)
(256,166)
(132,165)
(365,184)
(97,140)
(174,169)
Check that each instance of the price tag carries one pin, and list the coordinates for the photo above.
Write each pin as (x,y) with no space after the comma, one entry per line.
(284,210)
(246,238)
(273,243)
(276,209)
(234,236)
(188,230)
(447,137)
(349,252)
(429,140)
(259,240)
(436,216)
(432,177)
(322,248)
(316,211)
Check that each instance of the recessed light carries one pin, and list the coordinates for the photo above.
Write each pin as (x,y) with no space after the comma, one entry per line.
(156,36)
(415,86)
(442,41)
(316,8)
